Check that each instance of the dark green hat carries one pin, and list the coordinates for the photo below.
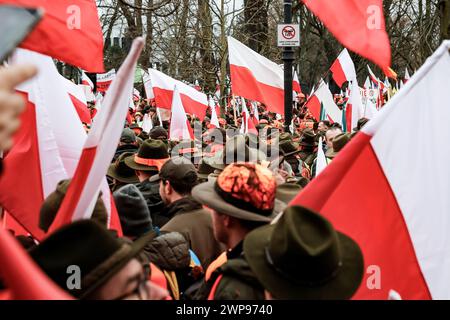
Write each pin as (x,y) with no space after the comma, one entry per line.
(339,142)
(120,171)
(204,170)
(303,257)
(92,248)
(287,191)
(308,138)
(288,147)
(152,154)
(235,150)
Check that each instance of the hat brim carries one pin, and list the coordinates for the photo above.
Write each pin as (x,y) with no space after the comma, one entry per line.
(205,194)
(306,144)
(129,161)
(331,153)
(114,174)
(136,247)
(341,287)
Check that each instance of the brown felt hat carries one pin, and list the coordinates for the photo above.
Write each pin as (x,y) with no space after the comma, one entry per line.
(121,172)
(339,142)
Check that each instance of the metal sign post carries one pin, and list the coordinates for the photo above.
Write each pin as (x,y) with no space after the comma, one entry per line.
(288,37)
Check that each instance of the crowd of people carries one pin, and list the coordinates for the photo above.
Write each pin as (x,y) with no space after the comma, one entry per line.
(202,219)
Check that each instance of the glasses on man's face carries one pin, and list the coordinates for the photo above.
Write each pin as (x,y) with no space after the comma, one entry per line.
(141,292)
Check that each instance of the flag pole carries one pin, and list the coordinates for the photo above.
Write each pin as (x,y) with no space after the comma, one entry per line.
(288,58)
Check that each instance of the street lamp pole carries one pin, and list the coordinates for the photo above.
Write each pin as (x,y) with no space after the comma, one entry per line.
(288,58)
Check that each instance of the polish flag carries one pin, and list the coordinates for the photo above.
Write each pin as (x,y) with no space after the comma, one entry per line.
(407,76)
(194,102)
(343,68)
(247,125)
(367,84)
(355,108)
(322,105)
(46,147)
(321,159)
(147,81)
(374,79)
(296,84)
(391,197)
(359,26)
(70,31)
(104,80)
(85,80)
(78,99)
(255,77)
(180,128)
(99,147)
(214,118)
(22,276)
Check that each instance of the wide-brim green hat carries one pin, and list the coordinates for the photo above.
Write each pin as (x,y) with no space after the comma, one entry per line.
(152,154)
(301,257)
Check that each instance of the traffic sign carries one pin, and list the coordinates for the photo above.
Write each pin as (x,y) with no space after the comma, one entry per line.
(288,35)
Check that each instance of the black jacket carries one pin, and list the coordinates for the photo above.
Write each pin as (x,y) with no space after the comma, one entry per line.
(150,191)
(238,281)
(124,148)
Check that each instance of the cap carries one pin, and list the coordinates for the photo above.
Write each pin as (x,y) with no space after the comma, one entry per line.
(128,136)
(177,170)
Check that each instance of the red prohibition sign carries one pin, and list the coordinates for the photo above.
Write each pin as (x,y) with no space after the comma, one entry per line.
(288,32)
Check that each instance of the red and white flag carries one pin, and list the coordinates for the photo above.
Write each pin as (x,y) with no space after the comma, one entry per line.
(85,80)
(407,76)
(78,98)
(391,196)
(359,26)
(355,108)
(255,77)
(343,68)
(46,147)
(214,118)
(194,102)
(104,80)
(180,127)
(296,83)
(247,126)
(322,105)
(69,31)
(22,276)
(375,79)
(99,148)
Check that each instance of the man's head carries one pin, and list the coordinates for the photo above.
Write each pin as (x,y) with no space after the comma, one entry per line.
(176,179)
(330,135)
(108,270)
(241,199)
(324,126)
(128,137)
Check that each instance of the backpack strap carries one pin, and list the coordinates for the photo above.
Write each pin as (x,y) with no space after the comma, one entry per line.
(212,293)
